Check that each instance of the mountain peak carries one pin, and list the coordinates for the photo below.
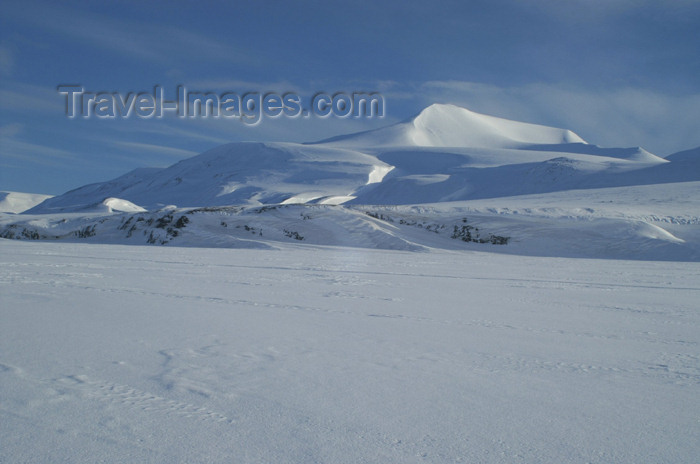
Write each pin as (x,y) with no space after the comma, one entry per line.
(447,125)
(442,125)
(436,108)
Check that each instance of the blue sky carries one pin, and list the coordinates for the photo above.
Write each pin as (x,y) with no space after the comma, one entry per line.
(618,73)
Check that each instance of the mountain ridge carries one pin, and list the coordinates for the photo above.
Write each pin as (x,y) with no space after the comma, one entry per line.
(445,153)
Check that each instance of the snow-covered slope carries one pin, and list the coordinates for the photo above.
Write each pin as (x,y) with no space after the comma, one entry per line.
(237,173)
(649,222)
(688,156)
(16,202)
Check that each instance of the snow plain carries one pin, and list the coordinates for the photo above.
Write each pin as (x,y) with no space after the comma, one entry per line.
(452,288)
(309,354)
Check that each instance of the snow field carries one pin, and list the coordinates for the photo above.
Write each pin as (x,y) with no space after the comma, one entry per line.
(113,353)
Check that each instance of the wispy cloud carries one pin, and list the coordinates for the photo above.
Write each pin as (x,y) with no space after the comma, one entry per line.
(16,96)
(159,149)
(11,147)
(133,38)
(11,130)
(241,85)
(7,59)
(174,129)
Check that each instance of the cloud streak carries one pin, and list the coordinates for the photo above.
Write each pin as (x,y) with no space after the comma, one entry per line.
(36,99)
(7,59)
(34,153)
(159,149)
(132,38)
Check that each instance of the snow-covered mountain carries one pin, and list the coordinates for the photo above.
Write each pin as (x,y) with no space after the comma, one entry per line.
(447,178)
(18,202)
(446,153)
(237,173)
